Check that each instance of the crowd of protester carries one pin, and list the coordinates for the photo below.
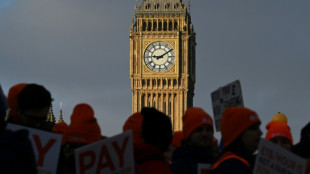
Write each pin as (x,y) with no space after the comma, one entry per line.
(157,149)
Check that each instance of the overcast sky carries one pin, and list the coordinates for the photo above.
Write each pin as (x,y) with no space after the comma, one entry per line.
(79,50)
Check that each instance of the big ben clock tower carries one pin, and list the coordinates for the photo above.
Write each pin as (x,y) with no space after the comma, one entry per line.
(162,58)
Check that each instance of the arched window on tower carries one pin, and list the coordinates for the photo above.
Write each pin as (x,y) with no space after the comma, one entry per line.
(154,101)
(169,108)
(175,6)
(156,6)
(164,106)
(149,99)
(149,26)
(174,82)
(154,26)
(170,26)
(147,6)
(143,26)
(167,6)
(176,26)
(165,25)
(160,26)
(142,100)
(164,82)
(143,83)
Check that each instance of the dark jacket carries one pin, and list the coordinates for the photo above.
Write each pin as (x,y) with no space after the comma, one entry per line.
(302,148)
(229,163)
(185,160)
(16,153)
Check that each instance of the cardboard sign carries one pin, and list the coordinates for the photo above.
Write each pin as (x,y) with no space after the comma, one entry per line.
(46,147)
(109,156)
(273,159)
(204,168)
(226,96)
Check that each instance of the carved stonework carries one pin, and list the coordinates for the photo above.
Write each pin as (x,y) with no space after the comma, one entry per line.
(172,69)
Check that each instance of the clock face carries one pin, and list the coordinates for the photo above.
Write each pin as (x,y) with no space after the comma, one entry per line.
(159,56)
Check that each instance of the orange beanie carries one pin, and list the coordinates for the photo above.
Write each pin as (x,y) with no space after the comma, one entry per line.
(278,129)
(193,118)
(83,127)
(235,120)
(13,99)
(134,123)
(177,138)
(60,127)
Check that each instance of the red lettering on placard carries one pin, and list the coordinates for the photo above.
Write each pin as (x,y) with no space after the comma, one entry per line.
(120,151)
(42,150)
(109,163)
(82,156)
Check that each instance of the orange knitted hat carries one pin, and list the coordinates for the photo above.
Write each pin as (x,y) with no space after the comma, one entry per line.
(60,127)
(13,99)
(177,138)
(193,118)
(235,120)
(134,123)
(83,127)
(278,129)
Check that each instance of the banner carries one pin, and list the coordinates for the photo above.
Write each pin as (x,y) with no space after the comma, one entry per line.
(226,96)
(109,156)
(46,147)
(273,159)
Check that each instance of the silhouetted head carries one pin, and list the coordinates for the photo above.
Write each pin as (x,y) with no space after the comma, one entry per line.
(305,135)
(156,128)
(33,105)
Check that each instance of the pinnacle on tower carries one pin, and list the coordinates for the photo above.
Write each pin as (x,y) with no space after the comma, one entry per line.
(7,114)
(51,117)
(60,114)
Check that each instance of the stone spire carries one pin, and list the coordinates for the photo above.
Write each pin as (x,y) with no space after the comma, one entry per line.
(51,117)
(7,114)
(60,114)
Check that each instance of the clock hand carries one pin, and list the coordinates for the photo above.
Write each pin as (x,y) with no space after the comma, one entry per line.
(161,56)
(156,57)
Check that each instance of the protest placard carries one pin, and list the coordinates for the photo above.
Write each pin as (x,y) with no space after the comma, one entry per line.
(204,168)
(109,156)
(273,159)
(227,96)
(46,147)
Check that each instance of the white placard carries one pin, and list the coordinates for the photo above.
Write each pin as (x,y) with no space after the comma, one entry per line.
(226,96)
(273,159)
(109,156)
(46,147)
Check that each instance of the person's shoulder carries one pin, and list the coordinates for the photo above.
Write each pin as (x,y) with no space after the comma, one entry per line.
(155,166)
(232,165)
